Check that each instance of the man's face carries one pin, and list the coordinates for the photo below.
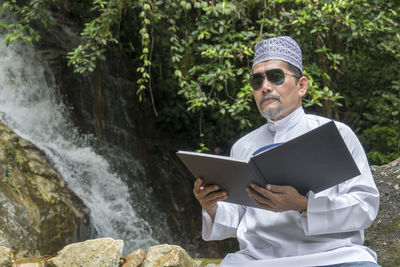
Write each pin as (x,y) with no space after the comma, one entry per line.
(277,101)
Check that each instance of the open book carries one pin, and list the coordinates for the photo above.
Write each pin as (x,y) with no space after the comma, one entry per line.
(314,161)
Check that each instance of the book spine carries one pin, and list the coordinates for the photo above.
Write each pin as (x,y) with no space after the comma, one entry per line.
(257,173)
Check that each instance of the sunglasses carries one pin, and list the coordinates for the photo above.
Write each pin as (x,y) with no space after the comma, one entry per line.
(274,76)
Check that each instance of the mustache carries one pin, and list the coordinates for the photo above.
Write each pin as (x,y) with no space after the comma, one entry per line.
(267,97)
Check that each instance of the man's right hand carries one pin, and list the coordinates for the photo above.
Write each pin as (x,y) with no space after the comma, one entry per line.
(208,196)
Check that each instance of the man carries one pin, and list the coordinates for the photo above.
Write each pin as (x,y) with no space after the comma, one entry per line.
(289,229)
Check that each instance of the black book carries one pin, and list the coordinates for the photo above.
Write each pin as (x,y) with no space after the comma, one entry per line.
(314,161)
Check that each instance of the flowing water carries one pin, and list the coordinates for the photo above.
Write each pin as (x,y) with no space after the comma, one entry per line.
(29,105)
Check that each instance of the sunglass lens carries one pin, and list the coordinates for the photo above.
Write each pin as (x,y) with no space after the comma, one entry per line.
(256,81)
(275,76)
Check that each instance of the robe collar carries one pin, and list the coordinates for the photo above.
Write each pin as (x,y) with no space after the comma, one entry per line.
(287,122)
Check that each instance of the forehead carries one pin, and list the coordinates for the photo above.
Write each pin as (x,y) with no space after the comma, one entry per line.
(269,65)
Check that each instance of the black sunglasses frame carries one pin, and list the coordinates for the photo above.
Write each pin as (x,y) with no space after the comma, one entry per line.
(257,79)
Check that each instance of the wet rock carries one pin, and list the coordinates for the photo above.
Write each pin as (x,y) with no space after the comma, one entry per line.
(102,252)
(38,213)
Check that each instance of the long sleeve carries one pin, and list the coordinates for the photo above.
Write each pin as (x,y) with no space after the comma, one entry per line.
(225,224)
(350,206)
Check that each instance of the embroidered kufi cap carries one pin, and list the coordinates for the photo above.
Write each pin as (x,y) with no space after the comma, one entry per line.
(281,48)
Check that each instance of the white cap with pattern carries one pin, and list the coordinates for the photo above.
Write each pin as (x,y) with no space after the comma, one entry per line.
(281,48)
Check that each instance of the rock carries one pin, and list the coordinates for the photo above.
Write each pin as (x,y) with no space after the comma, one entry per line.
(384,234)
(5,256)
(102,252)
(135,258)
(167,255)
(38,213)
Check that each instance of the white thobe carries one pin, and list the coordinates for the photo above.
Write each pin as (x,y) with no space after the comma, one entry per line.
(332,231)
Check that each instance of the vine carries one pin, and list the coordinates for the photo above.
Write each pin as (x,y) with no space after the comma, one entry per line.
(97,35)
(147,42)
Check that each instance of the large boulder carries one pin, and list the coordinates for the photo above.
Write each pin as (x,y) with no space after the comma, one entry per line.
(134,259)
(101,252)
(384,235)
(160,256)
(38,213)
(167,255)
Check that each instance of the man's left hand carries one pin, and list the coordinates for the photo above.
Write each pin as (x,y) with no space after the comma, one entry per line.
(278,198)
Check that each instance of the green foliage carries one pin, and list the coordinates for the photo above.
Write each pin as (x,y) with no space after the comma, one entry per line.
(317,97)
(97,34)
(22,29)
(195,55)
(382,140)
(217,78)
(375,144)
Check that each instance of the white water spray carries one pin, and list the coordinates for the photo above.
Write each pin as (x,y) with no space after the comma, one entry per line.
(30,107)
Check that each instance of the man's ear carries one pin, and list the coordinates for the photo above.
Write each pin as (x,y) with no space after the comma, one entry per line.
(302,84)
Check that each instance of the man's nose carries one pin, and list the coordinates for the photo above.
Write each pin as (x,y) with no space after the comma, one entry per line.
(266,86)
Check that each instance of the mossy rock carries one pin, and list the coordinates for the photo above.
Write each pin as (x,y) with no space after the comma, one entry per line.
(38,213)
(384,234)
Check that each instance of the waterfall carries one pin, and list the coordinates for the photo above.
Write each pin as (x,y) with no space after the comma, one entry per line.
(29,105)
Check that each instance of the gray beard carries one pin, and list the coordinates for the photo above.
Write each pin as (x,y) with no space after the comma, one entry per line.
(272,113)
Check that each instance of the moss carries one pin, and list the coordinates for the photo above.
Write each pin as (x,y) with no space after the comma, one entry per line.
(9,180)
(12,165)
(205,261)
(391,263)
(392,254)
(390,227)
(395,225)
(11,151)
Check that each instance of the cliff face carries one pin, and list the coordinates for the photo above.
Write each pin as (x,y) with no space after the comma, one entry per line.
(38,213)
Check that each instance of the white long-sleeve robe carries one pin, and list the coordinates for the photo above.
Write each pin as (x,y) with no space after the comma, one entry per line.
(331,233)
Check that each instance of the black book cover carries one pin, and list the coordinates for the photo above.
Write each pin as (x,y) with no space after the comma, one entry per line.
(314,161)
